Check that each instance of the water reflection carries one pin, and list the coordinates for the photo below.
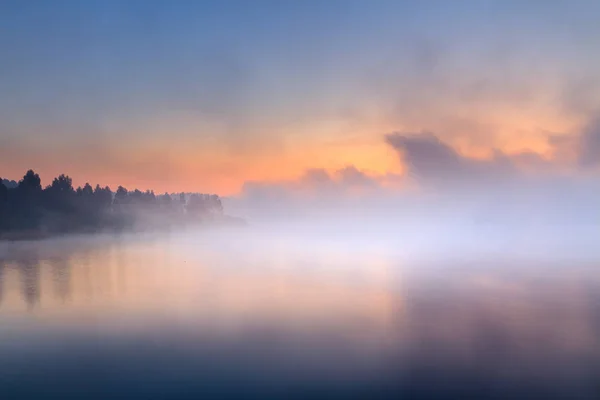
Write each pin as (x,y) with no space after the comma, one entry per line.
(172,308)
(29,269)
(518,328)
(197,284)
(1,281)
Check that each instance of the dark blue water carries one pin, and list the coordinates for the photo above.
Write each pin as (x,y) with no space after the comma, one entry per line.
(187,316)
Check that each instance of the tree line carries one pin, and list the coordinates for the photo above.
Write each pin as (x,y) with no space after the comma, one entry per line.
(60,208)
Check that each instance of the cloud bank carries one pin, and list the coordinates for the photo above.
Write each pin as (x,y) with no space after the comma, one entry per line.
(440,180)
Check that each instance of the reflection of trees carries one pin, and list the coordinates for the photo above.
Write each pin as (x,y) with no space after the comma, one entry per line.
(61,274)
(59,271)
(84,266)
(29,269)
(121,265)
(1,281)
(33,264)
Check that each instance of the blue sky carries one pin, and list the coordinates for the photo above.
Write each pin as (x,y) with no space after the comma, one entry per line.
(246,85)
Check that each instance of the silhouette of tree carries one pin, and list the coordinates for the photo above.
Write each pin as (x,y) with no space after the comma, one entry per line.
(103,197)
(25,206)
(205,205)
(165,200)
(59,198)
(149,197)
(197,205)
(62,184)
(60,208)
(136,196)
(121,195)
(9,184)
(31,183)
(3,193)
(3,205)
(86,191)
(215,204)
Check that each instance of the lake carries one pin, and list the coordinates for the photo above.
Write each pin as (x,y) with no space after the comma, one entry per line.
(237,314)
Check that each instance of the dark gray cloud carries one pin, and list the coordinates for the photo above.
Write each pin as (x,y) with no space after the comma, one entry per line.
(433,162)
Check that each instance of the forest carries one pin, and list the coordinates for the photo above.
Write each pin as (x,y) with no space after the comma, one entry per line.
(29,210)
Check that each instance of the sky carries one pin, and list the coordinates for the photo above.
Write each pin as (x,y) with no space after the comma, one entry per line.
(229,96)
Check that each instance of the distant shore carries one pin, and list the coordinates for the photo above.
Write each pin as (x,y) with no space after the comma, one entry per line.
(28,211)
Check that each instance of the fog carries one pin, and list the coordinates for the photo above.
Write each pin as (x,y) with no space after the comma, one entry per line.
(454,272)
(443,196)
(321,303)
(561,220)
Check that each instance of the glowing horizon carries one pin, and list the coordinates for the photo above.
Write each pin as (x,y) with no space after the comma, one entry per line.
(167,98)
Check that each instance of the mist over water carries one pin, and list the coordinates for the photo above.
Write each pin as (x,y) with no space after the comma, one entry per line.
(299,199)
(320,310)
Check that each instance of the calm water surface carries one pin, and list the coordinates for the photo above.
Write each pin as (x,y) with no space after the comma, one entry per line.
(226,315)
